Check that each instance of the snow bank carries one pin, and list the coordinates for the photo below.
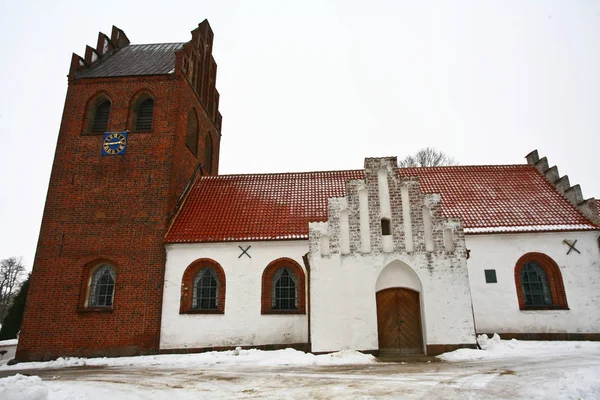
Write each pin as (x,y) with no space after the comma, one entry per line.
(21,387)
(233,357)
(495,348)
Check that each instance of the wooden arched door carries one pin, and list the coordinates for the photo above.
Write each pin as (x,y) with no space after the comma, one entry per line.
(399,321)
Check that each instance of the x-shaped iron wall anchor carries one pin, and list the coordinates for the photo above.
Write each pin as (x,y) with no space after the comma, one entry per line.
(246,251)
(571,246)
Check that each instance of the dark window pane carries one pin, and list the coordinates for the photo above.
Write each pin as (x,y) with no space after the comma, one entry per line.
(144,115)
(101,117)
(285,296)
(205,290)
(535,285)
(490,276)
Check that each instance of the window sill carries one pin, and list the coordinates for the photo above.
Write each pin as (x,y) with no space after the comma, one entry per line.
(144,131)
(538,308)
(192,311)
(96,310)
(292,312)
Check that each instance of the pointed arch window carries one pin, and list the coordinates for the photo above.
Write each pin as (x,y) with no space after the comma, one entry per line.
(100,115)
(203,288)
(143,113)
(191,139)
(102,287)
(539,283)
(206,290)
(283,288)
(208,152)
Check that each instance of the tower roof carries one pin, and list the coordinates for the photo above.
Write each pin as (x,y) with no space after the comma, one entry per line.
(135,60)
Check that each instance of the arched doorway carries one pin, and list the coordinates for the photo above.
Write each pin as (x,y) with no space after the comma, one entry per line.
(398,297)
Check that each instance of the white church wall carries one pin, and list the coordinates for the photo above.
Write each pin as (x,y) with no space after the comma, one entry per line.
(496,305)
(242,323)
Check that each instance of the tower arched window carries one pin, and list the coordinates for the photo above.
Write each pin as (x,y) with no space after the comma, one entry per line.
(102,287)
(191,139)
(283,288)
(208,152)
(539,283)
(99,116)
(143,113)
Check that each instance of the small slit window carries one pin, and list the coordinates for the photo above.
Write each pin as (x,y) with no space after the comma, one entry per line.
(386,227)
(145,112)
(191,138)
(101,115)
(208,152)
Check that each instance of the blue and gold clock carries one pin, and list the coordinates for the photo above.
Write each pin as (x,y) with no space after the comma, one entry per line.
(114,144)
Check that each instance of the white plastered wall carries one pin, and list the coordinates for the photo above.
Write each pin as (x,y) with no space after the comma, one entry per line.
(242,323)
(496,305)
(344,308)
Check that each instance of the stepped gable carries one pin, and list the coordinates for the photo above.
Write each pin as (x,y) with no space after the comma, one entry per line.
(504,198)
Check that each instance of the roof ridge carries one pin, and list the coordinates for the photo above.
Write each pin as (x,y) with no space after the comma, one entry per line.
(524,166)
(149,44)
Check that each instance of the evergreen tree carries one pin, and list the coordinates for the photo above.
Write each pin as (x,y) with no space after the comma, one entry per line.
(12,322)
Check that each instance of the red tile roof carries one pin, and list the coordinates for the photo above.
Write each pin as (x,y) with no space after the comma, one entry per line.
(280,206)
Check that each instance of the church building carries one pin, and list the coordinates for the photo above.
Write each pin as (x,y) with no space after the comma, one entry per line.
(144,248)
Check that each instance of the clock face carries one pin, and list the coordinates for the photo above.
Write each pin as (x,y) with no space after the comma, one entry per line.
(114,143)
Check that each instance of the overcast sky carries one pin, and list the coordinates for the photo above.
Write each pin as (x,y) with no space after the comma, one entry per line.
(318,85)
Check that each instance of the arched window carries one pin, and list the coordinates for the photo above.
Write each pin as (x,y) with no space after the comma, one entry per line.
(208,152)
(539,283)
(191,139)
(99,114)
(206,290)
(283,288)
(203,288)
(102,287)
(143,113)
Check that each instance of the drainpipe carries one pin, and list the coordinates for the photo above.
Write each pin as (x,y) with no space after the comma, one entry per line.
(307,265)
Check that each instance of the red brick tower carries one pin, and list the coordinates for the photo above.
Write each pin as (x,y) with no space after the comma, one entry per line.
(96,287)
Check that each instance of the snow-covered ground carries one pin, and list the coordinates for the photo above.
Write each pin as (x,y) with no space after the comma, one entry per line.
(503,370)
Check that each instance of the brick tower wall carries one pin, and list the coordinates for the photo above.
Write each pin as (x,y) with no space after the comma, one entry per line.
(114,209)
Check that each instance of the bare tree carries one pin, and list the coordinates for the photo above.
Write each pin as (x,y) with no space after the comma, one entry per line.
(12,274)
(427,157)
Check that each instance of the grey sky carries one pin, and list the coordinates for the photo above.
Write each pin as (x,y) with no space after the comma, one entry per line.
(318,85)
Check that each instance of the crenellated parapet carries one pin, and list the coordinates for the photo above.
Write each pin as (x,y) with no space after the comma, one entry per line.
(588,207)
(386,213)
(104,47)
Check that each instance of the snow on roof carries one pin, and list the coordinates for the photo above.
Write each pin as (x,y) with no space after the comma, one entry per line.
(506,198)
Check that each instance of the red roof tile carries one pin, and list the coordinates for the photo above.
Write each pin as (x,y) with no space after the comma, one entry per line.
(280,206)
